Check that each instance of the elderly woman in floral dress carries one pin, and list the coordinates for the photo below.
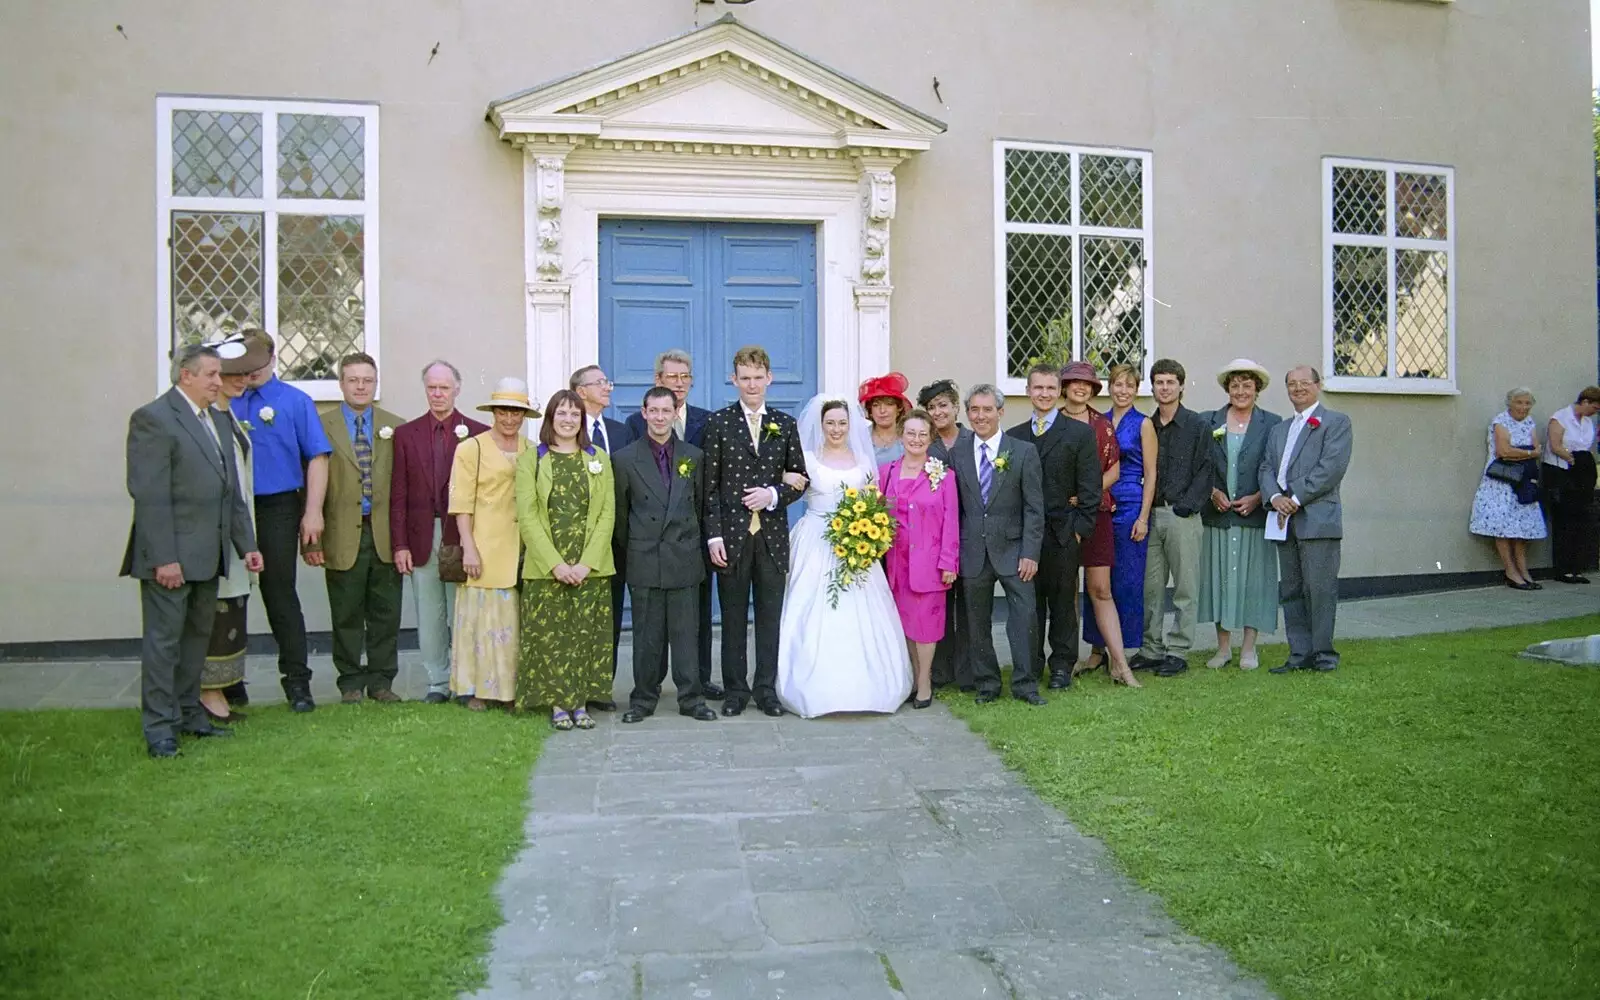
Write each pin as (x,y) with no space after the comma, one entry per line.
(1498,511)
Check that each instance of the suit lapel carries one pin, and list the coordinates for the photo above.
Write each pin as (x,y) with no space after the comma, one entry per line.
(191,423)
(644,460)
(339,436)
(1301,442)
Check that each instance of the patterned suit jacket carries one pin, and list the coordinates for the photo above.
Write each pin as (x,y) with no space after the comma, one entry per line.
(733,465)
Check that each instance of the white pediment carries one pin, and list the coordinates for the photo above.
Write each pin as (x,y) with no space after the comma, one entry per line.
(724,83)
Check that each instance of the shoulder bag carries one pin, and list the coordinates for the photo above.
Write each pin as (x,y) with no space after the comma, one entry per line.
(451,567)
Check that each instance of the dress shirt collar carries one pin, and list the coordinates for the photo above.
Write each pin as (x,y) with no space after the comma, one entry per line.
(1305,414)
(354,421)
(748,413)
(993,443)
(195,408)
(1049,418)
(661,448)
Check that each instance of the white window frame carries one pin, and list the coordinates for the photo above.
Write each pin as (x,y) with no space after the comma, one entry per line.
(1390,383)
(1009,384)
(270,205)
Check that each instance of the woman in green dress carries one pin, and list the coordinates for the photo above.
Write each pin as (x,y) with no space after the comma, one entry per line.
(565,509)
(1238,566)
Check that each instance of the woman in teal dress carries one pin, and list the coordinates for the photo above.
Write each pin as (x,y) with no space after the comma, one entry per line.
(566,505)
(1238,566)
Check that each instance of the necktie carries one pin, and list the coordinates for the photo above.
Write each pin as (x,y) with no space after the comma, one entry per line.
(680,424)
(1038,426)
(753,420)
(211,429)
(597,435)
(364,462)
(985,472)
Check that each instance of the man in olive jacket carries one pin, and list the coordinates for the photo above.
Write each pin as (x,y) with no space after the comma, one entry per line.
(660,482)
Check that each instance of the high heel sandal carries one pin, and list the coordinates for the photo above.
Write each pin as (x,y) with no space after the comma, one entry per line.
(1088,666)
(1125,678)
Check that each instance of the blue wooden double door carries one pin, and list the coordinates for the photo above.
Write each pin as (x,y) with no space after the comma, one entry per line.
(708,288)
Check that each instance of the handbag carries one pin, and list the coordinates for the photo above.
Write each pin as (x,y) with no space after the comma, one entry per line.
(451,567)
(1512,473)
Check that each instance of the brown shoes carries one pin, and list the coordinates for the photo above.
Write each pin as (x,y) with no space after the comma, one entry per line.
(350,698)
(386,696)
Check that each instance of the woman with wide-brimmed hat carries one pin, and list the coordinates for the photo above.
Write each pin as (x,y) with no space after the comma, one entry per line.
(1238,566)
(483,500)
(884,400)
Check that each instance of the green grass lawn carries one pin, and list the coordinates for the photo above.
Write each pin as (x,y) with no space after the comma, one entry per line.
(349,853)
(1424,822)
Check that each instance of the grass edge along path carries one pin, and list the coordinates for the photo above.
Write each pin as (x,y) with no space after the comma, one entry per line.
(352,853)
(1420,823)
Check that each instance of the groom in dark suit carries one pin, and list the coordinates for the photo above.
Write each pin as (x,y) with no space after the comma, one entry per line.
(660,483)
(748,449)
(1002,529)
(189,519)
(1069,467)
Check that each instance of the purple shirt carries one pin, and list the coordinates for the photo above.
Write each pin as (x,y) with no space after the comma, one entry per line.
(663,457)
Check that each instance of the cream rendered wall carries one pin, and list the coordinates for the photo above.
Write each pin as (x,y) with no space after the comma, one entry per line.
(1238,101)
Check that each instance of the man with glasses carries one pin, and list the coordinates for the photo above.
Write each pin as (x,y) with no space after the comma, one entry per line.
(610,436)
(675,371)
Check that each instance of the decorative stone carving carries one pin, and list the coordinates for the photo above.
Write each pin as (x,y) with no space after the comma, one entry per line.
(550,191)
(877,192)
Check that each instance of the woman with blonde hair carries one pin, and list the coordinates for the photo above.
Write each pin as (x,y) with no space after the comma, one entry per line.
(483,500)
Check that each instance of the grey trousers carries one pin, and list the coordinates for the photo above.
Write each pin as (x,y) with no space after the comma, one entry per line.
(664,619)
(1020,609)
(177,631)
(435,604)
(1174,549)
(1308,587)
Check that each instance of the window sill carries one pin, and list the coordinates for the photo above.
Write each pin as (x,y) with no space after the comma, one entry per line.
(1390,386)
(323,391)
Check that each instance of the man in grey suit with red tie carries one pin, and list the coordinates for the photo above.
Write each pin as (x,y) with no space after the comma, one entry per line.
(189,520)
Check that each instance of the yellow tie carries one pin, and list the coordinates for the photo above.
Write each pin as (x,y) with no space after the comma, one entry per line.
(1038,426)
(754,420)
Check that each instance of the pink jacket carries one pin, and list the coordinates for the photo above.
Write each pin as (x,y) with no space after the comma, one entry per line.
(930,528)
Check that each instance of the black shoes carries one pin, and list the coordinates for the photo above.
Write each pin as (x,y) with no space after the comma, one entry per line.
(921,702)
(1032,698)
(602,706)
(986,697)
(771,709)
(435,698)
(713,692)
(699,713)
(1573,578)
(299,700)
(1288,668)
(1324,666)
(236,694)
(1060,680)
(1143,662)
(1171,666)
(207,731)
(165,748)
(733,706)
(633,715)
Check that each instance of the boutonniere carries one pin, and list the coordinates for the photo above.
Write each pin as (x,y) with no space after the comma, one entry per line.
(1219,432)
(461,432)
(685,467)
(936,473)
(1313,422)
(773,430)
(594,466)
(266,413)
(247,426)
(1003,461)
(385,433)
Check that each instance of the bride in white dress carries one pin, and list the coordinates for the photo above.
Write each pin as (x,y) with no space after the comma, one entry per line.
(851,658)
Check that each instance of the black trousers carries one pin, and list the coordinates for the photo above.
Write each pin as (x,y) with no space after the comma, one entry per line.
(177,631)
(365,604)
(702,648)
(663,619)
(1574,531)
(753,576)
(952,660)
(1056,603)
(278,538)
(1020,604)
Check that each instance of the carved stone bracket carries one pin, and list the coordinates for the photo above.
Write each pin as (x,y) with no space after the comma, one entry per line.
(550,189)
(878,197)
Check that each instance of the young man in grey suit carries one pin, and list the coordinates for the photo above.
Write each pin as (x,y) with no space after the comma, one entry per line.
(189,519)
(660,483)
(1304,462)
(1002,529)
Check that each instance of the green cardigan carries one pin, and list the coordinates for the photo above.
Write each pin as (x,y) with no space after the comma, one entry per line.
(534,480)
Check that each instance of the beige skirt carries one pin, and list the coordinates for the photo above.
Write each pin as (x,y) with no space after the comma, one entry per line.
(483,651)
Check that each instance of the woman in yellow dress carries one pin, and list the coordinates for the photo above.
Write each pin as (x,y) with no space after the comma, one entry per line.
(483,500)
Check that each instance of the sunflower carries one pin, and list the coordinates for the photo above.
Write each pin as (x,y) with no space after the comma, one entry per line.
(838,524)
(838,550)
(862,548)
(880,518)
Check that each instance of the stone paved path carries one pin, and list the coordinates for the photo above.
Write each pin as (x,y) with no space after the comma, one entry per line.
(856,857)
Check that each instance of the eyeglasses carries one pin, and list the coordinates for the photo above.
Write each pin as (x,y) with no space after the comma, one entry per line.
(676,377)
(1299,385)
(603,383)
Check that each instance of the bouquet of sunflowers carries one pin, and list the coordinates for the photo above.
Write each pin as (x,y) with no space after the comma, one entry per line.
(860,531)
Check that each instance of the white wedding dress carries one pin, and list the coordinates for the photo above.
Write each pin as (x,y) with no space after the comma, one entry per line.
(847,659)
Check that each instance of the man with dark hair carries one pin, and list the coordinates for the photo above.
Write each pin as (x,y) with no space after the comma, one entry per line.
(289,454)
(189,521)
(1183,482)
(364,588)
(660,483)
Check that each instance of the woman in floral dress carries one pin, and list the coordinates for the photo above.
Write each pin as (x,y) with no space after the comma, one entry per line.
(1496,510)
(566,506)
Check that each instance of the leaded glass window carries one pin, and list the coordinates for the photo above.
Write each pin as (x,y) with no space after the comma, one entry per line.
(1074,231)
(270,219)
(1389,267)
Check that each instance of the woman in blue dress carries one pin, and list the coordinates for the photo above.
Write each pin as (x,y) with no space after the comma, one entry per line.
(1133,493)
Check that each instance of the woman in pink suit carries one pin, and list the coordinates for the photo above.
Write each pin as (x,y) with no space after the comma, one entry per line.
(921,565)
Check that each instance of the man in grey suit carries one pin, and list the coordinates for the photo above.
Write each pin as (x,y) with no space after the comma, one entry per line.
(188,513)
(1002,528)
(660,482)
(1304,462)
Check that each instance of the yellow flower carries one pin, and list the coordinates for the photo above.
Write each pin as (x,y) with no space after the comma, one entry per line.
(838,524)
(873,534)
(839,550)
(880,518)
(860,507)
(862,548)
(852,492)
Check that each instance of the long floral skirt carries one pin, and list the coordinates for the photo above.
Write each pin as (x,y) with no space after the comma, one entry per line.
(483,654)
(566,643)
(225,655)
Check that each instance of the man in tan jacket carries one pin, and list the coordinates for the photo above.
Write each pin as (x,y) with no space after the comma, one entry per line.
(364,587)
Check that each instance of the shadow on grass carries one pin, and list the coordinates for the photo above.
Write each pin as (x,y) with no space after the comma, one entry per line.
(349,853)
(1420,823)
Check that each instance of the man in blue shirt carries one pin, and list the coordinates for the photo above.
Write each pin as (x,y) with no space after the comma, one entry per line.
(289,455)
(355,550)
